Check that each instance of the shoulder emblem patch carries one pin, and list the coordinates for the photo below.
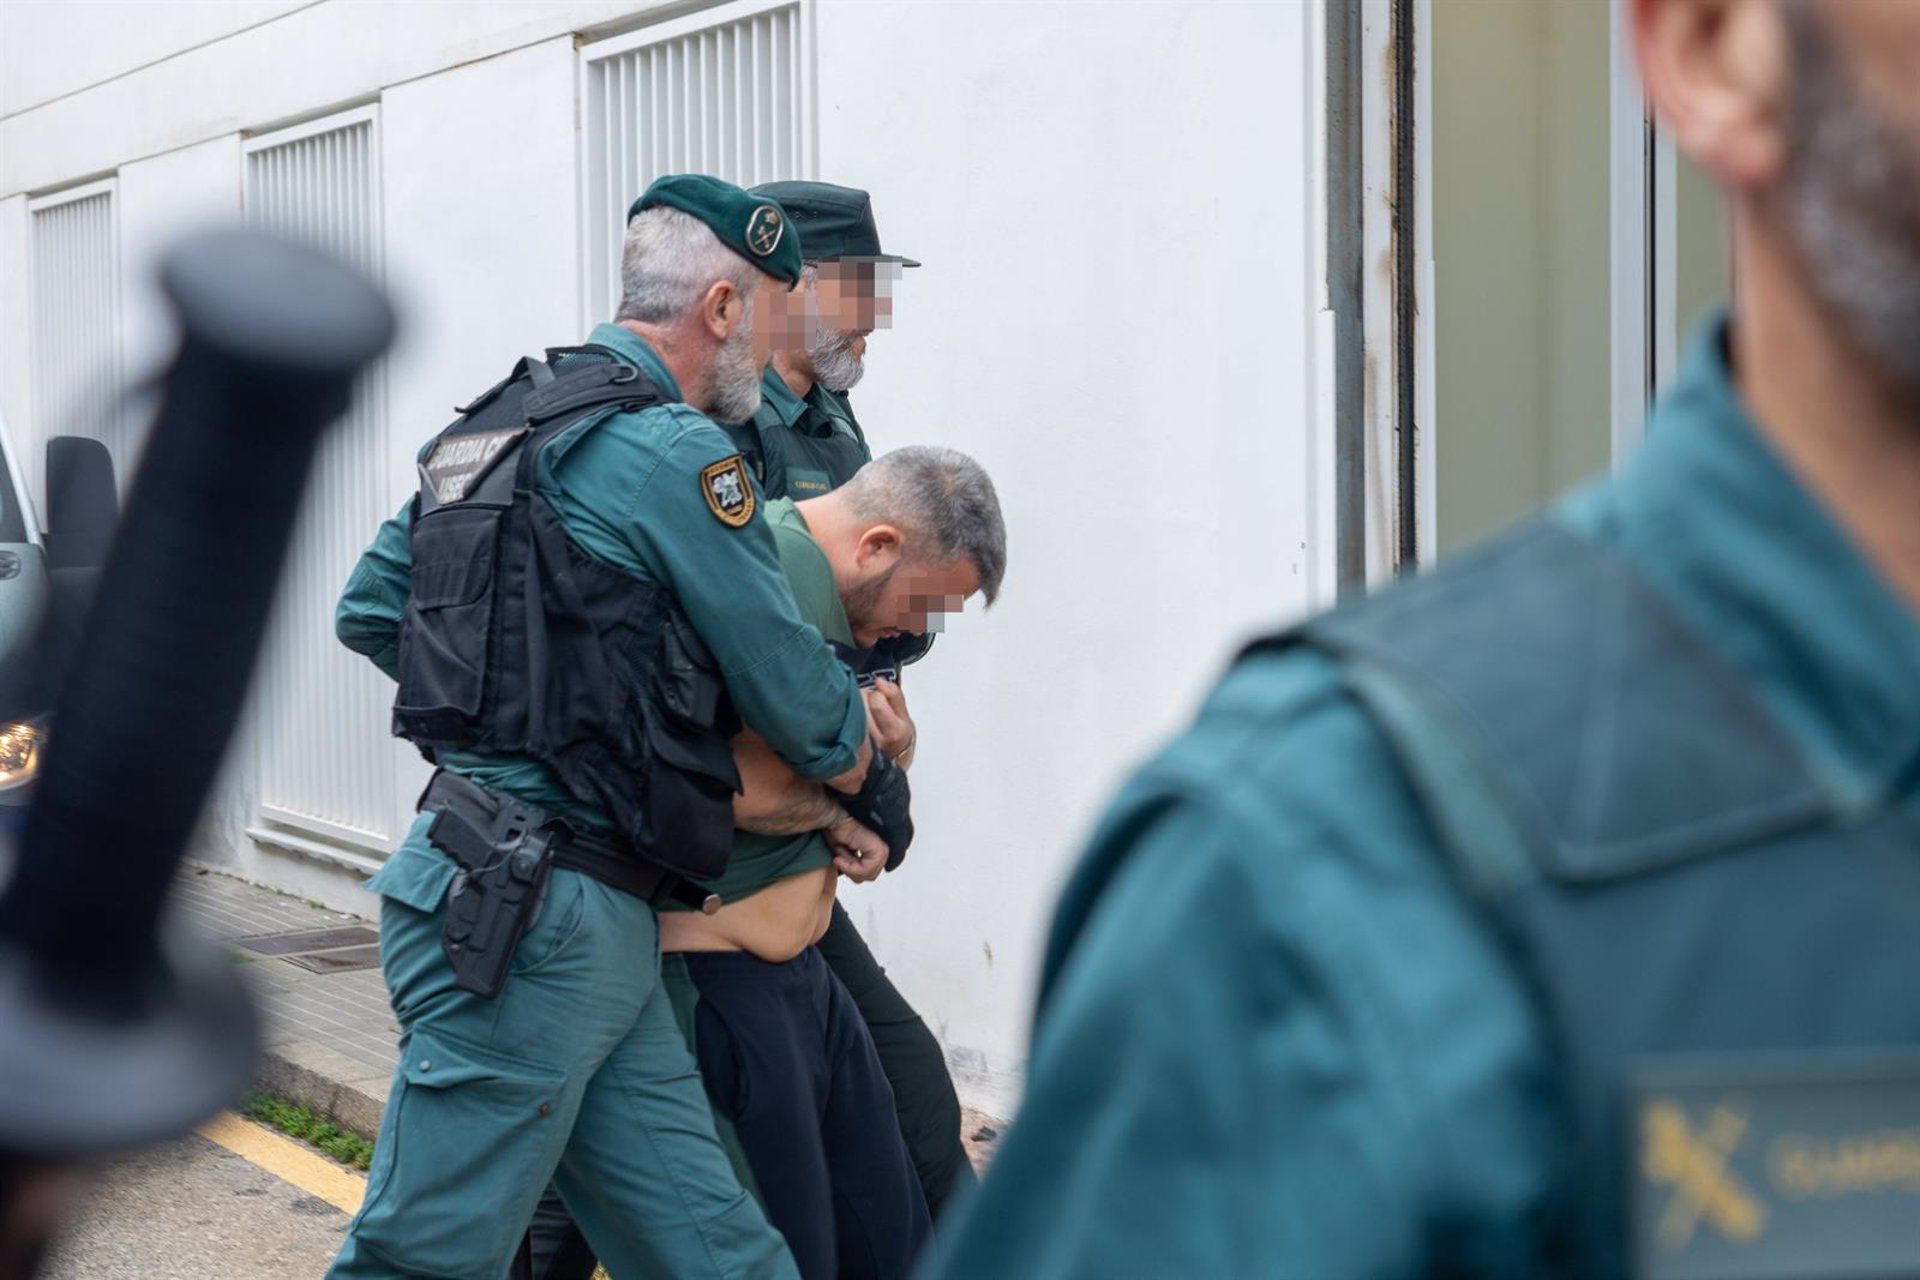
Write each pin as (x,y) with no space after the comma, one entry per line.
(728,492)
(764,230)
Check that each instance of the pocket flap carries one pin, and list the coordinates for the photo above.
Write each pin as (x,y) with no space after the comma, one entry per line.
(417,875)
(436,1060)
(453,554)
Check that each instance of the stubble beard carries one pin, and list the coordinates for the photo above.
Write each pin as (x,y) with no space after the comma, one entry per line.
(861,603)
(1852,197)
(736,377)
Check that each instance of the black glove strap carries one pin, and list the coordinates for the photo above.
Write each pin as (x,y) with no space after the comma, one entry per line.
(883,805)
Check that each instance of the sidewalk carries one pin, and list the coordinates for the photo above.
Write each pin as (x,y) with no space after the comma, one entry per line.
(331,1039)
(330,1034)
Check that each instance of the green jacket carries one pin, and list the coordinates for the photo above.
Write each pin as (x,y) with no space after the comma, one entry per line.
(629,493)
(1275,1038)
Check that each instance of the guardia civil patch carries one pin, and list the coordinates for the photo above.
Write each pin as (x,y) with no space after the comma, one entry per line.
(764,229)
(728,492)
(1800,1165)
(459,462)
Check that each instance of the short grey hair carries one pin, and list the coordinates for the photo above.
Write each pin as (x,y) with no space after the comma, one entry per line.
(668,263)
(941,499)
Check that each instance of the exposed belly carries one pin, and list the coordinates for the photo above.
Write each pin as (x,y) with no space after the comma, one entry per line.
(775,924)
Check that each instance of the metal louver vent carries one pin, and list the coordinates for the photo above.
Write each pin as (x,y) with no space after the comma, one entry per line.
(720,93)
(76,329)
(324,763)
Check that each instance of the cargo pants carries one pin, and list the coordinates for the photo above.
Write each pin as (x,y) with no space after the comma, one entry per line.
(576,1072)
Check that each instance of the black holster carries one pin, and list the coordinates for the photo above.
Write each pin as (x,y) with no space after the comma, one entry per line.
(497,892)
(505,850)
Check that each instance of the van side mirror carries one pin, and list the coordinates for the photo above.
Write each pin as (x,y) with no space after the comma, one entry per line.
(82,504)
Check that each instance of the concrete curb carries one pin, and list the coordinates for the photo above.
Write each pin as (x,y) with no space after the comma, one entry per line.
(318,1078)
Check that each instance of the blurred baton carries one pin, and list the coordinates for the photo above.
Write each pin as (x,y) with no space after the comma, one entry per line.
(110,1038)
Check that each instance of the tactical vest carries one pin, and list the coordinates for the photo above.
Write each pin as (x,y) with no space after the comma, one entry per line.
(1722,942)
(805,465)
(518,642)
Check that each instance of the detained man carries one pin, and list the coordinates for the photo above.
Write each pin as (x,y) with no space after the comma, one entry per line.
(788,1062)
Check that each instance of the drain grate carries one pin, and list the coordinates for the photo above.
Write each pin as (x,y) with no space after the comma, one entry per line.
(280,944)
(337,961)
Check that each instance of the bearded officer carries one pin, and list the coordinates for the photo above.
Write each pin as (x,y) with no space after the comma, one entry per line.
(1553,914)
(575,606)
(804,439)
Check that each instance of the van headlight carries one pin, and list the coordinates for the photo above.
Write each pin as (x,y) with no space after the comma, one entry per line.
(21,744)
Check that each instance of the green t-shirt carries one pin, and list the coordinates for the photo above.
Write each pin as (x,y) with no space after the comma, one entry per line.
(759,860)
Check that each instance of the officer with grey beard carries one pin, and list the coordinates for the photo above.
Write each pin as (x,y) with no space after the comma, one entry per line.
(1554,913)
(804,439)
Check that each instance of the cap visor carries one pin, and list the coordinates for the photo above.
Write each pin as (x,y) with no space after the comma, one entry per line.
(867,257)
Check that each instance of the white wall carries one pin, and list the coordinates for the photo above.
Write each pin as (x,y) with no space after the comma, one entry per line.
(16,314)
(1113,318)
(1114,204)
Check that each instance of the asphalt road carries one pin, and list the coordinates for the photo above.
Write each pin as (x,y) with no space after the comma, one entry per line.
(194,1211)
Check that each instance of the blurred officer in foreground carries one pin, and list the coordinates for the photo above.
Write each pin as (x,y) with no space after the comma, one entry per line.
(112,1032)
(579,597)
(807,442)
(1555,914)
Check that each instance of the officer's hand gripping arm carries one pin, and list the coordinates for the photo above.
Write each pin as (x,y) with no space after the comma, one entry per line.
(773,799)
(785,682)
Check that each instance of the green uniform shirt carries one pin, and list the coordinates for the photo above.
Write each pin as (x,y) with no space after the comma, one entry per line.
(1279,1041)
(759,860)
(628,491)
(801,447)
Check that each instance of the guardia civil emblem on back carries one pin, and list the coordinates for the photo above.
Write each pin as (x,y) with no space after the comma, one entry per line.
(728,492)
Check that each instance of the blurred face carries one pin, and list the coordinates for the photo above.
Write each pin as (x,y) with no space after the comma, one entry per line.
(1850,187)
(887,593)
(830,316)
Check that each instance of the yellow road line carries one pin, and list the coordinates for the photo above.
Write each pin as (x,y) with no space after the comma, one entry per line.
(287,1160)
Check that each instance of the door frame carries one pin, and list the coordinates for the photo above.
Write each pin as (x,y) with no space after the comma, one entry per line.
(1380,275)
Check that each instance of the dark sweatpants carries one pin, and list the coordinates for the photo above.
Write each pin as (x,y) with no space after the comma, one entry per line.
(923,1095)
(795,1083)
(787,1059)
(924,1100)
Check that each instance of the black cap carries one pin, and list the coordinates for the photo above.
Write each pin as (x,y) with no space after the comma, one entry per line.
(834,222)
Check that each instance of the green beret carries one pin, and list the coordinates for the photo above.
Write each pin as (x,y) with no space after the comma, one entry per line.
(754,227)
(833,222)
